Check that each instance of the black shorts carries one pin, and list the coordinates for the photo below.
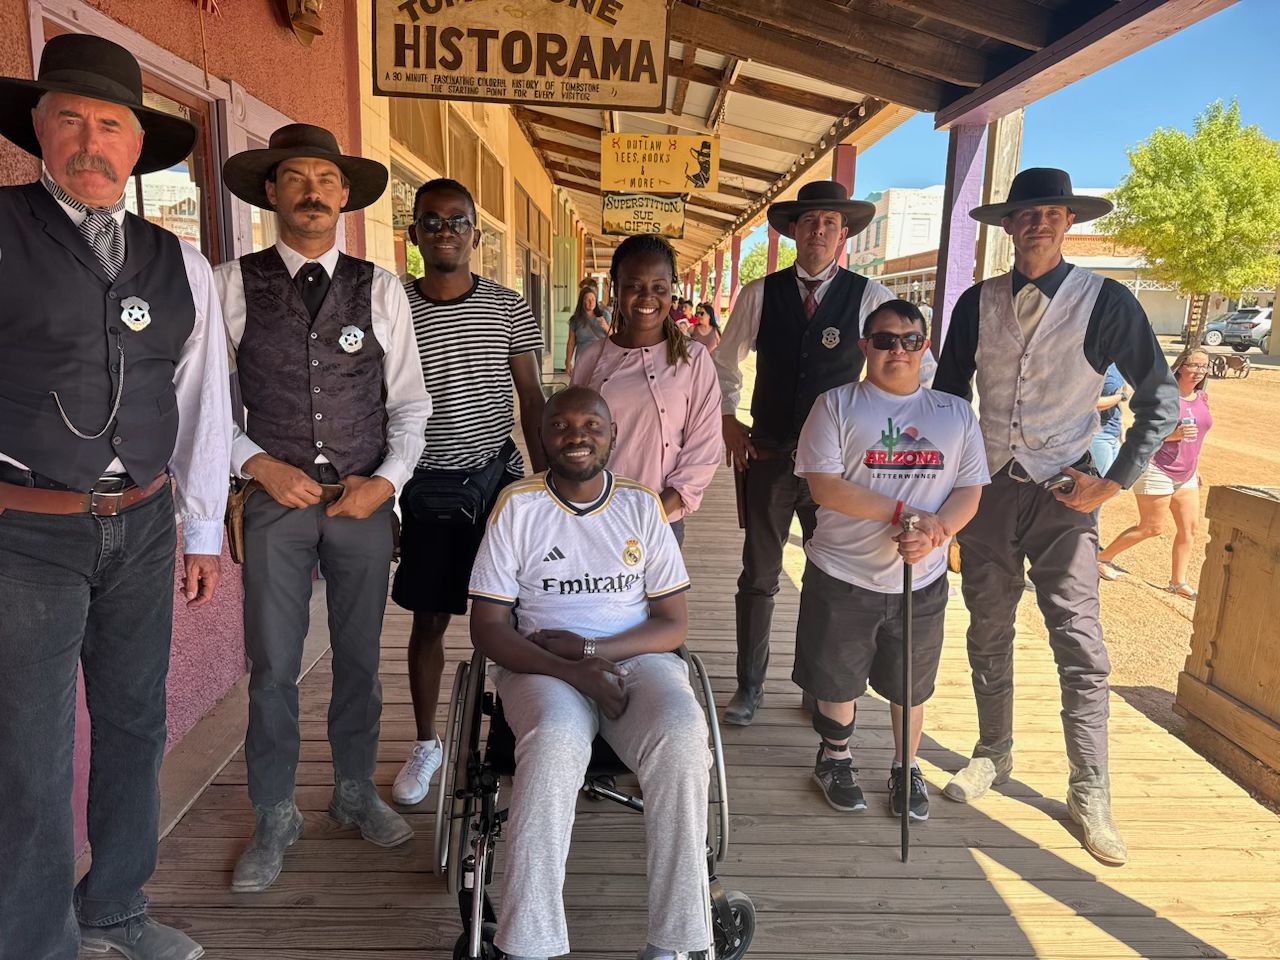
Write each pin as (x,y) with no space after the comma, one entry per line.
(434,572)
(847,636)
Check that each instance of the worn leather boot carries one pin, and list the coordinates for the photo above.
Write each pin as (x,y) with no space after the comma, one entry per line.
(742,708)
(1089,803)
(141,938)
(978,776)
(356,803)
(279,826)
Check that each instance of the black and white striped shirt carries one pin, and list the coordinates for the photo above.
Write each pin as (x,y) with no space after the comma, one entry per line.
(466,346)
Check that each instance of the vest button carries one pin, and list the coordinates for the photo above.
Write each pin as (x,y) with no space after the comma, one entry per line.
(314,336)
(315,389)
(315,363)
(319,443)
(319,416)
(113,295)
(116,441)
(804,356)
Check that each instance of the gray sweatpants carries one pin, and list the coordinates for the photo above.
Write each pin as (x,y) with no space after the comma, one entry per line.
(1017,521)
(662,736)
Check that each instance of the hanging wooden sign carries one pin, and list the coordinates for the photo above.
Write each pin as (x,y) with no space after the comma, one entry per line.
(627,214)
(602,54)
(659,163)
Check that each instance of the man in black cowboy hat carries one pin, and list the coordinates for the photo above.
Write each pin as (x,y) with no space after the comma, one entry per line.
(1040,339)
(336,407)
(113,380)
(804,324)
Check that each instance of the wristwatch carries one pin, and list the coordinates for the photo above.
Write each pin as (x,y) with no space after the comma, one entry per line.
(588,649)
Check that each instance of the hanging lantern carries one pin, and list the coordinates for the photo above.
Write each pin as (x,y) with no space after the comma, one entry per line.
(304,18)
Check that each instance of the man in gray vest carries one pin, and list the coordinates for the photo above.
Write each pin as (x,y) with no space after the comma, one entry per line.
(1040,339)
(335,411)
(113,380)
(804,323)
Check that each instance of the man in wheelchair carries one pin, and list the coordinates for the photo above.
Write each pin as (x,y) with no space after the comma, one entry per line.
(591,571)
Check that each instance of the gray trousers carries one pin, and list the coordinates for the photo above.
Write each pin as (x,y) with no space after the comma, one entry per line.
(282,546)
(662,736)
(1016,521)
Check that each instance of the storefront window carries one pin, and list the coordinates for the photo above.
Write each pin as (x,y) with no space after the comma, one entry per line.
(492,243)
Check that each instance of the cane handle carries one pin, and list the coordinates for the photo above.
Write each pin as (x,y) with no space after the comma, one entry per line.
(908,522)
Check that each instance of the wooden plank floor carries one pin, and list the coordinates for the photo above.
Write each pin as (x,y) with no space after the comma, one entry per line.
(1004,878)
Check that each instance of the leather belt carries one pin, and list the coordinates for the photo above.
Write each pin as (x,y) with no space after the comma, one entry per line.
(38,500)
(788,454)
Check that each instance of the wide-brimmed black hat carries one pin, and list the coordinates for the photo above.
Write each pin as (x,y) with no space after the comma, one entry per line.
(1040,187)
(88,66)
(246,173)
(822,195)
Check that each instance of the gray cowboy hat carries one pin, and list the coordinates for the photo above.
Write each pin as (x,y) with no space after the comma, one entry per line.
(88,66)
(822,195)
(246,173)
(1041,187)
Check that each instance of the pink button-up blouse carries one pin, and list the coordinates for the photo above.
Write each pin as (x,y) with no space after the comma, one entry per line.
(669,426)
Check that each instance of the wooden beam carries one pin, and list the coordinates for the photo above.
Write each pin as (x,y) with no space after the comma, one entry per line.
(858,31)
(715,114)
(763,89)
(701,200)
(728,131)
(682,82)
(1123,28)
(550,121)
(593,156)
(822,62)
(1020,22)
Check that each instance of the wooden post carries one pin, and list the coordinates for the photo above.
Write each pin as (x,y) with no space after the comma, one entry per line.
(1273,345)
(771,259)
(702,287)
(718,275)
(1004,152)
(843,162)
(735,253)
(959,233)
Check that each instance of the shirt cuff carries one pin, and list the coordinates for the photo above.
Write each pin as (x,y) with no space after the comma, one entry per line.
(242,450)
(394,473)
(1126,469)
(201,535)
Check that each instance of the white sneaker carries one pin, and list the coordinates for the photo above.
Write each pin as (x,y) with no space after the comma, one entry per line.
(414,779)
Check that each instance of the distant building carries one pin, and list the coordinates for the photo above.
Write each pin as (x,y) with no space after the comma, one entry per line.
(907,221)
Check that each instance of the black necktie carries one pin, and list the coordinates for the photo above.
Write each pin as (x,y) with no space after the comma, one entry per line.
(313,283)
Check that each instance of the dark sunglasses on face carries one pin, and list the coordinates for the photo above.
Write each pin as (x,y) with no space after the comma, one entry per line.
(911,342)
(458,223)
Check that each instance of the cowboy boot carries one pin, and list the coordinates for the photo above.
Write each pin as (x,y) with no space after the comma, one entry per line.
(987,768)
(278,828)
(356,803)
(1089,803)
(140,938)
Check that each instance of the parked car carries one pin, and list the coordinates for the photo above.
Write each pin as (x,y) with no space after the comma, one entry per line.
(1213,329)
(1250,327)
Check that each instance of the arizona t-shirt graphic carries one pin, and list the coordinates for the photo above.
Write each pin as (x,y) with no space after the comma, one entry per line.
(903,451)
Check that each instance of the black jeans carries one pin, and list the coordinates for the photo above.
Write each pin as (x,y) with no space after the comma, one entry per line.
(774,495)
(96,592)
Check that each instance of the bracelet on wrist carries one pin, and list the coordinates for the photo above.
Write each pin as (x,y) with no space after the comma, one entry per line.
(897,514)
(588,648)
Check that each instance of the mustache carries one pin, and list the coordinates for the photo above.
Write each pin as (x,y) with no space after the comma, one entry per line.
(309,204)
(91,162)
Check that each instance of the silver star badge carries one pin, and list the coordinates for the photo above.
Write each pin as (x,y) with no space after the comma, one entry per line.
(135,313)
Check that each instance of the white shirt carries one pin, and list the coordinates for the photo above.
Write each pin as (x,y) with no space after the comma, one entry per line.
(407,402)
(917,448)
(588,568)
(739,336)
(203,445)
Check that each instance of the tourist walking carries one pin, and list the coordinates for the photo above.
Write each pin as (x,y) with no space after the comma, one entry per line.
(588,323)
(1105,445)
(707,328)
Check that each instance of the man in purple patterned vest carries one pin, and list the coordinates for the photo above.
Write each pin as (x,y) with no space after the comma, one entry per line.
(335,410)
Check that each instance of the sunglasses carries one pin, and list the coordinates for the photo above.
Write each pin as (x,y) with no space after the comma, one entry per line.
(458,223)
(911,342)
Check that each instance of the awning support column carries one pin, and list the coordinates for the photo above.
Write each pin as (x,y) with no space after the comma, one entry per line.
(843,163)
(957,250)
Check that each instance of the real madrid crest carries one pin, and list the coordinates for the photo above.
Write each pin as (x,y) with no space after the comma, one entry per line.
(831,338)
(135,313)
(351,338)
(631,552)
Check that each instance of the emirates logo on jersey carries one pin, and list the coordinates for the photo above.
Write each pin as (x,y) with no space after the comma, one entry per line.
(903,450)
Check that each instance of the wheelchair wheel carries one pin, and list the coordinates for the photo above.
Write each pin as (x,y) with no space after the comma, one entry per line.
(732,944)
(718,811)
(463,808)
(461,947)
(452,749)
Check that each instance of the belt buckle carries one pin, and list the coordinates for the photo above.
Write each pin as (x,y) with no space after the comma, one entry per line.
(121,483)
(1024,478)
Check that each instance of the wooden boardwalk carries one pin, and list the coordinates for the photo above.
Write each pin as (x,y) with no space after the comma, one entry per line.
(1004,878)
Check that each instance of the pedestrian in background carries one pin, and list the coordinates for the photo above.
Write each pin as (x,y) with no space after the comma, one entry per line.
(707,328)
(589,323)
(1106,442)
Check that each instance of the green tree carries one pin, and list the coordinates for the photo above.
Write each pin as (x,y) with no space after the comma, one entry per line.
(1205,205)
(755,260)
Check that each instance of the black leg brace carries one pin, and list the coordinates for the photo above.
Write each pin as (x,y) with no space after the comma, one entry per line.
(829,730)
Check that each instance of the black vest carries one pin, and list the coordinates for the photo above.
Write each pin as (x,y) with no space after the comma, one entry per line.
(797,360)
(306,394)
(62,331)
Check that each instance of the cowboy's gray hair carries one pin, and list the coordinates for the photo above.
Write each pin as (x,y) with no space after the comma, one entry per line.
(42,110)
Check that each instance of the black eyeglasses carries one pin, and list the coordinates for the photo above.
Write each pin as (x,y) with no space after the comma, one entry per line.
(458,223)
(911,342)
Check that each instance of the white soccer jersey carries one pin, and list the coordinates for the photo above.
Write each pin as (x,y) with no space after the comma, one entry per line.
(588,568)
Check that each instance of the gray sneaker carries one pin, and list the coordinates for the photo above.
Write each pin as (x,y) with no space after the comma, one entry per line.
(979,776)
(1089,803)
(278,827)
(356,803)
(141,938)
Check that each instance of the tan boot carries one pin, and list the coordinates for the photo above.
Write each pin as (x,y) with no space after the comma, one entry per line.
(1089,803)
(978,776)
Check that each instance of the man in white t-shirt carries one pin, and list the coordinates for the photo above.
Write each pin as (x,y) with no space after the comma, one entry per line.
(596,580)
(871,452)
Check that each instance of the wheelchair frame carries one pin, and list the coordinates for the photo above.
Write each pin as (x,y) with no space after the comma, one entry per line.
(467,803)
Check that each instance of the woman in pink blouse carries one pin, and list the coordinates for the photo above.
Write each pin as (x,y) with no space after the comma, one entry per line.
(660,385)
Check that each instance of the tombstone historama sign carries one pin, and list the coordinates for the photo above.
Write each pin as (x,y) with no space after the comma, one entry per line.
(602,54)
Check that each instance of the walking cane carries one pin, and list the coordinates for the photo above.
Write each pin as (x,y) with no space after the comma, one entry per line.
(908,521)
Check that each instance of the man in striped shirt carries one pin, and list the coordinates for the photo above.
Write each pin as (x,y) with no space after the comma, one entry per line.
(479,343)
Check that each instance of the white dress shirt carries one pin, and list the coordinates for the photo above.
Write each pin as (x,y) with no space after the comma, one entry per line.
(408,404)
(739,337)
(203,446)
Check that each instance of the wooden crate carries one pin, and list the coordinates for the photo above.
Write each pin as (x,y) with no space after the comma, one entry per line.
(1231,683)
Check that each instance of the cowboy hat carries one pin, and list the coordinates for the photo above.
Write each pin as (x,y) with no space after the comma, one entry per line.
(246,173)
(822,195)
(1041,187)
(88,66)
